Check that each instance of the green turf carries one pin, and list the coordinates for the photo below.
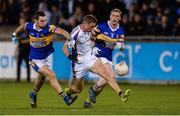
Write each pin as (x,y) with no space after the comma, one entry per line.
(145,99)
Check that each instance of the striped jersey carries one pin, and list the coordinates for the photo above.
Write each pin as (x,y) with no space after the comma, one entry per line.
(41,41)
(105,30)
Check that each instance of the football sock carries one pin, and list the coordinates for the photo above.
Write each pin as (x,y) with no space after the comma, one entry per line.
(120,93)
(35,91)
(95,87)
(62,95)
(67,92)
(88,100)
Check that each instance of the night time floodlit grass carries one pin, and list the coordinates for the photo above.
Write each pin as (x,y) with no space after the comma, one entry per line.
(145,99)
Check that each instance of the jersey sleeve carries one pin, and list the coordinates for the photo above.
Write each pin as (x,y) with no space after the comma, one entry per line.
(122,33)
(27,26)
(98,28)
(52,28)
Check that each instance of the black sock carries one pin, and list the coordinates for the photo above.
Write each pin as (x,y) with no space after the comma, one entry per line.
(120,93)
(62,95)
(35,91)
(68,93)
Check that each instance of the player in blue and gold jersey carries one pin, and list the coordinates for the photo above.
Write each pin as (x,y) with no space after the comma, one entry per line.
(41,49)
(106,35)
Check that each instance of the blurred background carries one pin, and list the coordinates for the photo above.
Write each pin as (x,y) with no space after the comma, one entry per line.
(152,28)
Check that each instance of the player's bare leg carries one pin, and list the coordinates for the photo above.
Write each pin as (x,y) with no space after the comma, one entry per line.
(51,77)
(33,94)
(54,84)
(104,74)
(100,84)
(109,78)
(39,82)
(76,87)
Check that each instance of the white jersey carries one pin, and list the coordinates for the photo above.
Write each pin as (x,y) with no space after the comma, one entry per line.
(84,44)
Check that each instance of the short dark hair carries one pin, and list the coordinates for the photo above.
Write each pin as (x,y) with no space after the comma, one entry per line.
(38,14)
(90,19)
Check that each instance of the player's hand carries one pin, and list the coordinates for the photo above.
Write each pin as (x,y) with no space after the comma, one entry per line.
(70,57)
(96,51)
(71,43)
(120,40)
(14,40)
(120,45)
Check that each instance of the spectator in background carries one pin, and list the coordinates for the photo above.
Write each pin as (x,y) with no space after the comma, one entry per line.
(164,28)
(55,15)
(136,25)
(63,23)
(78,15)
(25,11)
(22,52)
(68,7)
(106,6)
(43,7)
(1,20)
(132,10)
(151,27)
(12,12)
(158,16)
(176,28)
(91,9)
(126,24)
(66,23)
(145,11)
(128,3)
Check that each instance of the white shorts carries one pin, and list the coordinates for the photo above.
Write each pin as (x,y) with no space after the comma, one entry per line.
(81,69)
(105,60)
(37,64)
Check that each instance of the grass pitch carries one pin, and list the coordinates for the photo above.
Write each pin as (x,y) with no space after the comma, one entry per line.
(145,99)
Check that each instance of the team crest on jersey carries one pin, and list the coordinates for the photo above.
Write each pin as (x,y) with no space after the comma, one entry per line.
(32,33)
(106,33)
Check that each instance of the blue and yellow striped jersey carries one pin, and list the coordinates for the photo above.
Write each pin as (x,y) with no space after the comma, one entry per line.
(105,32)
(41,41)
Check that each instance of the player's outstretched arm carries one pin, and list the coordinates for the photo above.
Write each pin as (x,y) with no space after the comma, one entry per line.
(15,34)
(65,50)
(62,32)
(19,29)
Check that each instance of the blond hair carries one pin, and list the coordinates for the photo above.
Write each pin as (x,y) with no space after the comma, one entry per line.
(90,19)
(116,10)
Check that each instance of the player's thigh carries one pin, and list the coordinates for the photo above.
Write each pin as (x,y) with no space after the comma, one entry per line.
(110,70)
(45,71)
(99,68)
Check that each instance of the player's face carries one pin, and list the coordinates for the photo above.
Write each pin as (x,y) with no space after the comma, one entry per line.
(89,27)
(41,22)
(115,17)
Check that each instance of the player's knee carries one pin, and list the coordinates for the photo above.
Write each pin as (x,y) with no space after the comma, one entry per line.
(112,75)
(108,76)
(52,75)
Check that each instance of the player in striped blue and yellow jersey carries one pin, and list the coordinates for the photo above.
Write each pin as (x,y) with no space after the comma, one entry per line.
(107,35)
(41,49)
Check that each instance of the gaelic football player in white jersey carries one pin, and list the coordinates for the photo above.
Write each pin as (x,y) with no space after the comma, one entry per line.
(83,60)
(108,35)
